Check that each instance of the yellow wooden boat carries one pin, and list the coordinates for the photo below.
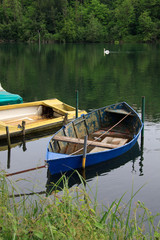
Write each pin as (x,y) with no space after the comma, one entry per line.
(31,117)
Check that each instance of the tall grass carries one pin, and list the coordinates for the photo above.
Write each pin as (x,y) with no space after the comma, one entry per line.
(70,214)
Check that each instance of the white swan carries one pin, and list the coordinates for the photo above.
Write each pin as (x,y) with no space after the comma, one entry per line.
(106,51)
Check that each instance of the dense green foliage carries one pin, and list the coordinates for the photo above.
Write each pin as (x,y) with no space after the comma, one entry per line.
(80,20)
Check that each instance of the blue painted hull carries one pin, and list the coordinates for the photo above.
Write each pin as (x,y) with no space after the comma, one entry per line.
(59,162)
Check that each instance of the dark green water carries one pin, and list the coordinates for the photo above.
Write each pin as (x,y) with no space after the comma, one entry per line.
(129,72)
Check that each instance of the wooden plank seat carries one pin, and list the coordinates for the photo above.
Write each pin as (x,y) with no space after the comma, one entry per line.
(118,142)
(103,144)
(81,141)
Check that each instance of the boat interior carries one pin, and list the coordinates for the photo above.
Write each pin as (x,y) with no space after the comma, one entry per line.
(105,130)
(29,114)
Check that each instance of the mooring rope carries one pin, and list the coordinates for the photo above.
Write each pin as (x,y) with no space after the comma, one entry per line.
(24,171)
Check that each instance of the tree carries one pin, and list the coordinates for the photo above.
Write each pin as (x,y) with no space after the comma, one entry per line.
(125,19)
(94,30)
(147,28)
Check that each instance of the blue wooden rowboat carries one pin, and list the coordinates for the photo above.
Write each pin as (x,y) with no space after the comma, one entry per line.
(111,131)
(7,98)
(56,181)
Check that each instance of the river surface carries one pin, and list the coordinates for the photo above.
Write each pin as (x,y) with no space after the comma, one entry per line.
(129,72)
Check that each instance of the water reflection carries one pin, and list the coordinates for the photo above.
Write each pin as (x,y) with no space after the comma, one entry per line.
(4,147)
(141,158)
(56,181)
(60,69)
(9,158)
(21,142)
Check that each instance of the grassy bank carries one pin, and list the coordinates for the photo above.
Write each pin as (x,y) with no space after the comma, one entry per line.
(70,214)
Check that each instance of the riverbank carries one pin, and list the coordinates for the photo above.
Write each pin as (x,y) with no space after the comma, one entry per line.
(71,214)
